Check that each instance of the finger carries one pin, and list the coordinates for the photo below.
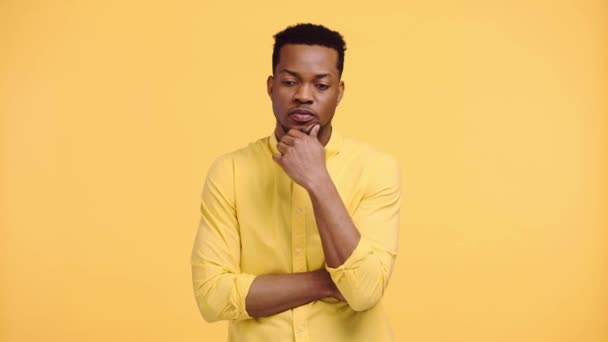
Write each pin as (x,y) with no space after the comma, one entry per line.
(277,158)
(314,132)
(288,139)
(282,147)
(295,133)
(308,129)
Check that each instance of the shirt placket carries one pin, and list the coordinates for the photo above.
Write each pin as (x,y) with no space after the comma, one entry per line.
(298,251)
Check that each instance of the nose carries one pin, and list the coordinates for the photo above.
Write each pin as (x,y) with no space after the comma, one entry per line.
(304,94)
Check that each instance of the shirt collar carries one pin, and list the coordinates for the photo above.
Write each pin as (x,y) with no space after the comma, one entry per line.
(333,147)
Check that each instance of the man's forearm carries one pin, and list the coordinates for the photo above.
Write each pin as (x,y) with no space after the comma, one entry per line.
(302,157)
(271,294)
(339,236)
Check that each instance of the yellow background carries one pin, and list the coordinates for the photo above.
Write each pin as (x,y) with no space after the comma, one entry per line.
(112,111)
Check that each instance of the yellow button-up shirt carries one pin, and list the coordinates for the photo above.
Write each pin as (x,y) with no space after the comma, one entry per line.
(255,220)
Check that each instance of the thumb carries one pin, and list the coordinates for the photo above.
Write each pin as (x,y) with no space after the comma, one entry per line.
(315,131)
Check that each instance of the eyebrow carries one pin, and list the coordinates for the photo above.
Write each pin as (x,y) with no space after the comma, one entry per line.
(293,73)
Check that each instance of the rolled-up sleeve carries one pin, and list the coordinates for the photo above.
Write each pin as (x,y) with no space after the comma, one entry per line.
(365,274)
(220,287)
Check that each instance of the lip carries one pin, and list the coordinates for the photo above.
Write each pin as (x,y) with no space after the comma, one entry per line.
(301,118)
(301,115)
(301,111)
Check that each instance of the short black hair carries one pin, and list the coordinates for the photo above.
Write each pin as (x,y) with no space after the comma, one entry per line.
(309,34)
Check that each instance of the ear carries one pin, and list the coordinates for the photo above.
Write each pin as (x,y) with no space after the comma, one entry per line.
(269,82)
(340,91)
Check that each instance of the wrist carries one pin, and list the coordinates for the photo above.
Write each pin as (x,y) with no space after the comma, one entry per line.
(325,284)
(318,183)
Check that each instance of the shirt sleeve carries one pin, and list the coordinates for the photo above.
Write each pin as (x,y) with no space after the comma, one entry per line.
(220,288)
(364,276)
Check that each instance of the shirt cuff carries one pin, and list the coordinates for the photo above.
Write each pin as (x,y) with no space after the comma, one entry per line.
(361,252)
(239,294)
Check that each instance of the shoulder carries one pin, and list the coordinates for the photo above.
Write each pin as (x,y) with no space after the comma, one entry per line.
(250,154)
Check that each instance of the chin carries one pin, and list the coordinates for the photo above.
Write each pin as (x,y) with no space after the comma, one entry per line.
(299,127)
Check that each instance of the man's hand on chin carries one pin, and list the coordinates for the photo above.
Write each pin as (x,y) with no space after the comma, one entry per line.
(302,156)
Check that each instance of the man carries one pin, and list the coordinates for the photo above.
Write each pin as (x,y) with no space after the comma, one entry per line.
(298,232)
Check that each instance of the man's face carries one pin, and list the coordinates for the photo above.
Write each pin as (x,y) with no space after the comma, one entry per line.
(306,87)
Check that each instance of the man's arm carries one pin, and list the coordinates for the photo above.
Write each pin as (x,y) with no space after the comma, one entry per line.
(303,159)
(360,264)
(271,294)
(338,233)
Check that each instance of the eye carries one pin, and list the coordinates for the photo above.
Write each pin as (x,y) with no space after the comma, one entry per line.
(288,83)
(322,86)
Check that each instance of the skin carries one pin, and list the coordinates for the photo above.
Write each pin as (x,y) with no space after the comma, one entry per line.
(307,77)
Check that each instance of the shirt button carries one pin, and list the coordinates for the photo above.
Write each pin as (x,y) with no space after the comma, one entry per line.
(298,250)
(301,328)
(298,210)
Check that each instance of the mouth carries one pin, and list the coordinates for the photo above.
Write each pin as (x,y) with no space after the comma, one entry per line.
(301,115)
